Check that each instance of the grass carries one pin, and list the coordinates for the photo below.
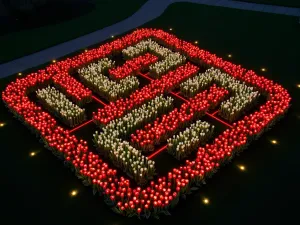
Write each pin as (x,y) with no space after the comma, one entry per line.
(105,13)
(41,185)
(288,3)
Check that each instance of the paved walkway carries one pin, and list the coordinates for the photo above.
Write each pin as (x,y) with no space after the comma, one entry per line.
(149,11)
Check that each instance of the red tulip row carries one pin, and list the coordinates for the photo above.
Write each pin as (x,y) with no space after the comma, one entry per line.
(133,66)
(72,88)
(165,192)
(167,125)
(156,87)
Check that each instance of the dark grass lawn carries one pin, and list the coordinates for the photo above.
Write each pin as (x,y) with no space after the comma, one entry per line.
(36,190)
(288,3)
(27,41)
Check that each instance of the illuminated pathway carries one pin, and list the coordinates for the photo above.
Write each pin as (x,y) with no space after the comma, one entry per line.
(149,11)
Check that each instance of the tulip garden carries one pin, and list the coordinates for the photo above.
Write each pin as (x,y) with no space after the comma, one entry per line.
(155,95)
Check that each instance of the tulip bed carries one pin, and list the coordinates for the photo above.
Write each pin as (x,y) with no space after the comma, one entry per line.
(94,78)
(244,97)
(121,153)
(165,126)
(62,107)
(147,109)
(170,59)
(181,145)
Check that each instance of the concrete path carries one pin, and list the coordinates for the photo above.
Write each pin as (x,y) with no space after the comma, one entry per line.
(149,11)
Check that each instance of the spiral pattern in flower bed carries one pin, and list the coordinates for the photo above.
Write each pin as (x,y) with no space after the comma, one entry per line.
(134,126)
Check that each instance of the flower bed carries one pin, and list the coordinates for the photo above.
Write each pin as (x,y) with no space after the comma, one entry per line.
(132,67)
(170,60)
(164,192)
(244,97)
(120,152)
(93,76)
(182,144)
(72,88)
(168,82)
(62,107)
(165,126)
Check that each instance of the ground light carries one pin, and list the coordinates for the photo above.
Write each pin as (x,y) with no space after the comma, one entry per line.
(32,154)
(19,74)
(242,167)
(263,69)
(85,50)
(171,29)
(196,42)
(274,142)
(112,36)
(2,124)
(54,61)
(298,85)
(229,55)
(73,193)
(205,201)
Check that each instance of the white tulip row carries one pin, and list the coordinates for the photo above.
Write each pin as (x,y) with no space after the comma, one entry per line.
(146,46)
(169,59)
(170,62)
(93,77)
(129,159)
(243,96)
(57,102)
(124,126)
(121,153)
(194,85)
(181,145)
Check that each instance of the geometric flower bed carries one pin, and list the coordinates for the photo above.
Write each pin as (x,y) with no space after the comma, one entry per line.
(159,99)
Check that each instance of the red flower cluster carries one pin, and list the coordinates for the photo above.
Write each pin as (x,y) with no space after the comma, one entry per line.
(133,66)
(72,88)
(165,126)
(159,195)
(166,83)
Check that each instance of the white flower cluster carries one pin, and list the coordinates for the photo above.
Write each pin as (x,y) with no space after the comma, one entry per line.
(181,145)
(126,157)
(126,125)
(243,96)
(93,77)
(194,85)
(170,62)
(137,50)
(120,152)
(169,59)
(57,102)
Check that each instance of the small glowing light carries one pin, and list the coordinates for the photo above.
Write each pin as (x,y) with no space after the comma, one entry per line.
(206,201)
(229,55)
(19,74)
(242,167)
(274,142)
(112,36)
(2,124)
(74,193)
(85,50)
(32,154)
(54,61)
(196,42)
(263,69)
(298,85)
(171,29)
